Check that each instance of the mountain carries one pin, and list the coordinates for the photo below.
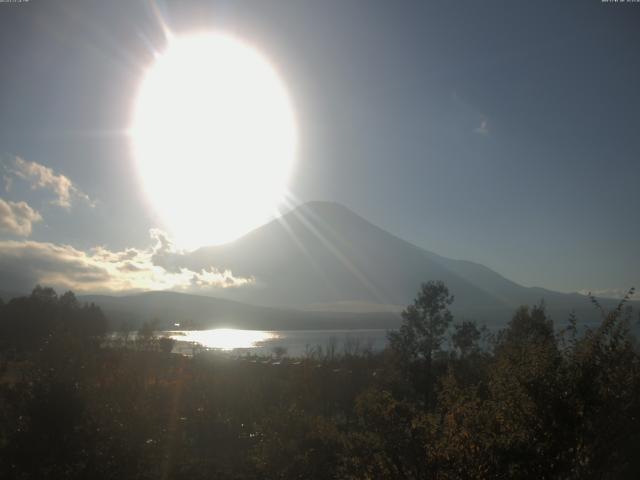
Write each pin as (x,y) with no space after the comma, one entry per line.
(322,255)
(323,266)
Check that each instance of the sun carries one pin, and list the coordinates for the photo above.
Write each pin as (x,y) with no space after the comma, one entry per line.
(214,138)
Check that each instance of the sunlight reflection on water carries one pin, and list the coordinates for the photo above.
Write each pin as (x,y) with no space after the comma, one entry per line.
(225,339)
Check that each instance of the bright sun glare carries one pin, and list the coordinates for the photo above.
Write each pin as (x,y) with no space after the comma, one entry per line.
(214,138)
(224,338)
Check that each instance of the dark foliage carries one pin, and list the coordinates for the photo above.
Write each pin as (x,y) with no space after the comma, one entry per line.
(27,323)
(531,403)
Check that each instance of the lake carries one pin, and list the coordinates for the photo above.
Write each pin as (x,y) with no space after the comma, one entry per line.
(263,342)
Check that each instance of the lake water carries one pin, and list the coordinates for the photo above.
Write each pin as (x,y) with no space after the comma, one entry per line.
(263,342)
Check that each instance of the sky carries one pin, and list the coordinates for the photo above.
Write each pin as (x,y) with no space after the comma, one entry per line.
(500,132)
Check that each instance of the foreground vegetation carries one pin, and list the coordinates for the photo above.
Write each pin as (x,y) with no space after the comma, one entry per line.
(527,402)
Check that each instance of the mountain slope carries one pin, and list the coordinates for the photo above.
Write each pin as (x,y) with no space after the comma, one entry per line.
(323,253)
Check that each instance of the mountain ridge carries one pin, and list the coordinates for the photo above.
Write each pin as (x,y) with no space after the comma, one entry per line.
(324,253)
(320,264)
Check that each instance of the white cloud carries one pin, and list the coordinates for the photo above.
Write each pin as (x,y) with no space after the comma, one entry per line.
(39,176)
(616,293)
(104,270)
(8,182)
(16,218)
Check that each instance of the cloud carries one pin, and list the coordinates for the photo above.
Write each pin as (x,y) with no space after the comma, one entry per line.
(101,270)
(483,128)
(16,218)
(8,182)
(164,253)
(39,176)
(615,293)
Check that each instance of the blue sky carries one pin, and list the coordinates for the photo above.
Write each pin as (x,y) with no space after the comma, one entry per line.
(500,132)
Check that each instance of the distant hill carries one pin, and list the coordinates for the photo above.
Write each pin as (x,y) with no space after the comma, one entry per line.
(7,295)
(197,312)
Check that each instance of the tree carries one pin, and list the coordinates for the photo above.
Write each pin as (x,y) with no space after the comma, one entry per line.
(425,323)
(146,337)
(529,326)
(166,344)
(279,351)
(422,332)
(69,301)
(465,337)
(603,389)
(44,294)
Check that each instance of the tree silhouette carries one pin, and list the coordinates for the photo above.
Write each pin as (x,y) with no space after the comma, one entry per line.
(466,337)
(422,333)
